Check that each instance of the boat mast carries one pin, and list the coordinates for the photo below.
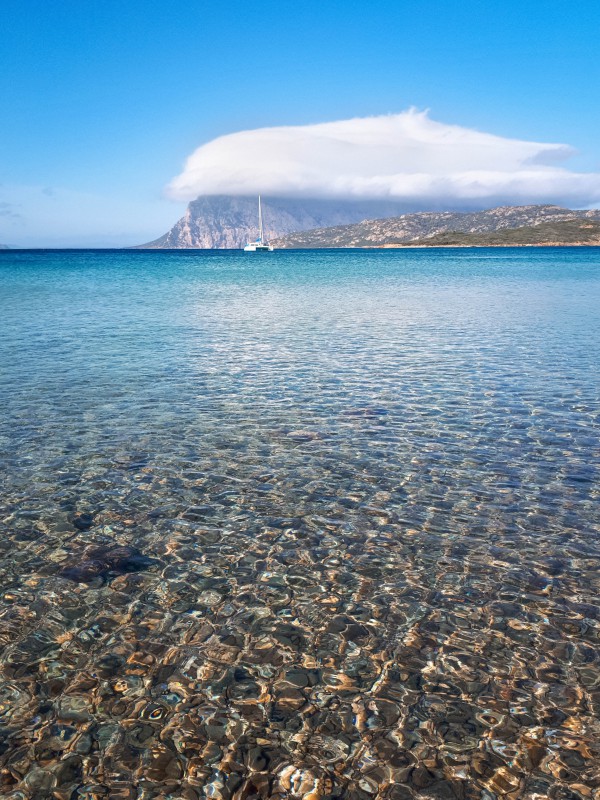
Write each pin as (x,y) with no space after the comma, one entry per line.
(260,225)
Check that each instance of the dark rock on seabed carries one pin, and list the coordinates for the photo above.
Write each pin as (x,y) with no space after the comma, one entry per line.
(99,562)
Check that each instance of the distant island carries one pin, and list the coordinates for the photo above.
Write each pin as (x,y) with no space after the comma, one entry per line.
(4,247)
(297,223)
(230,221)
(507,226)
(556,234)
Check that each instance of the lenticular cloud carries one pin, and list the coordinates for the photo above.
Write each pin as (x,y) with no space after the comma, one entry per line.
(407,157)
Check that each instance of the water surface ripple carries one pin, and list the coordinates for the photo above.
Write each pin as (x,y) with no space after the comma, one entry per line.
(301,525)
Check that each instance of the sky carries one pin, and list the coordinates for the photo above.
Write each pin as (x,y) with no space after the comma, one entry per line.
(105,103)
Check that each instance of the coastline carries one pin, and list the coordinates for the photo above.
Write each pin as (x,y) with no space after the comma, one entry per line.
(474,246)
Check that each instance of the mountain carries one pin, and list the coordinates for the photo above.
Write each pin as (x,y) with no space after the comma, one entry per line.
(222,221)
(226,221)
(564,232)
(4,247)
(419,228)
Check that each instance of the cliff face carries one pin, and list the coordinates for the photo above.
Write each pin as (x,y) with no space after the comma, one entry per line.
(415,228)
(231,222)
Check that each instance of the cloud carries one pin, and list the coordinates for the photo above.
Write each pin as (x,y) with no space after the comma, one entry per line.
(406,157)
(8,210)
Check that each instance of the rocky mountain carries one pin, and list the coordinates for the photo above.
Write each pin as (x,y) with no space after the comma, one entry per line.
(419,228)
(230,222)
(565,232)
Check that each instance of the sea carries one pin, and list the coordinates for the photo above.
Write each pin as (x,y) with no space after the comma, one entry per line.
(305,524)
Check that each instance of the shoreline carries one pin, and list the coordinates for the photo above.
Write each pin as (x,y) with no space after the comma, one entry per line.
(471,246)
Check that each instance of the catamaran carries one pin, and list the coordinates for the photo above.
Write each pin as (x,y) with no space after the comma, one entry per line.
(259,245)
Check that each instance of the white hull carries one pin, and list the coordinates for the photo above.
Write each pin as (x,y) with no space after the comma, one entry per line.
(255,247)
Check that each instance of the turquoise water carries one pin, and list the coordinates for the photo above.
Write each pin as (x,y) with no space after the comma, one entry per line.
(307,524)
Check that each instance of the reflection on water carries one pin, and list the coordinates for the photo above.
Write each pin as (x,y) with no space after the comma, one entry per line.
(311,526)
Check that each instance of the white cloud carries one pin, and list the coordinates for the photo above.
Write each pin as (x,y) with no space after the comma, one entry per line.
(406,157)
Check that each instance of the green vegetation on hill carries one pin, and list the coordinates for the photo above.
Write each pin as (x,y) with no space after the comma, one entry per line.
(566,232)
(445,228)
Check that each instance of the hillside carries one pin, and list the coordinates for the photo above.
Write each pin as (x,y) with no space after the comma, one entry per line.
(223,221)
(546,233)
(421,227)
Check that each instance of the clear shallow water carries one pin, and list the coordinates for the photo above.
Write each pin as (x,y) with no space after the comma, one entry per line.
(319,525)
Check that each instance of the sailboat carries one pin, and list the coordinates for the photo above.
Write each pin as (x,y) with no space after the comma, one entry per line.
(259,245)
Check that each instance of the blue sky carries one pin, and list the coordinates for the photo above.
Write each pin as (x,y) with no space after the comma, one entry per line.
(102,102)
